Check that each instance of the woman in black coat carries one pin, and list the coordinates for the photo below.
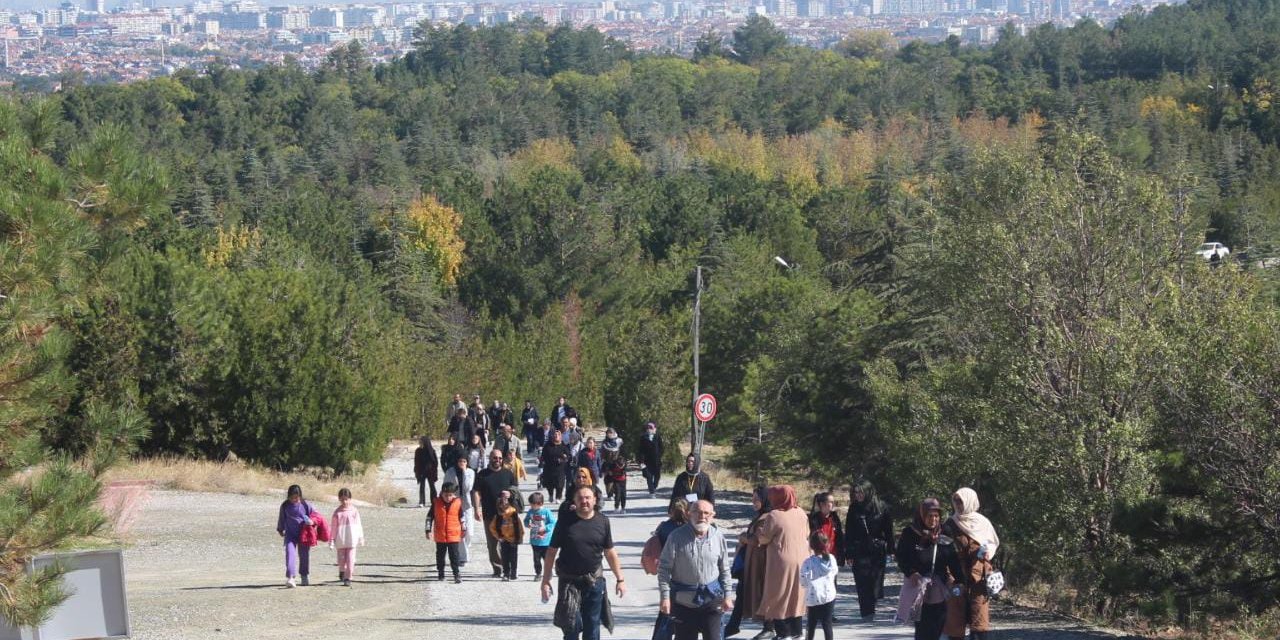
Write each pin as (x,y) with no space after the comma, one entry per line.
(868,539)
(450,451)
(924,552)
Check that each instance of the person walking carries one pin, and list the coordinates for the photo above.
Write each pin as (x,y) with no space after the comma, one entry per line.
(561,412)
(750,587)
(347,534)
(868,541)
(515,464)
(818,575)
(495,415)
(784,535)
(693,483)
(453,408)
(426,470)
(591,459)
(508,528)
(975,542)
(824,517)
(463,479)
(554,462)
(506,440)
(475,452)
(677,516)
(462,427)
(615,479)
(573,440)
(544,435)
(529,427)
(541,523)
(480,418)
(295,515)
(448,518)
(651,457)
(580,543)
(490,483)
(581,478)
(927,558)
(693,576)
(450,451)
(612,442)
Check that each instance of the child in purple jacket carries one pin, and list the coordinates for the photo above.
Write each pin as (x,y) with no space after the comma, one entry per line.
(295,514)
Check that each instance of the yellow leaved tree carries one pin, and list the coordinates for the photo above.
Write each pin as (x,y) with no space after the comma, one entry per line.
(434,229)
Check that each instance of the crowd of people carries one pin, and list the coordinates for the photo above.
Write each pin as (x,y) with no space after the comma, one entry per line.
(785,564)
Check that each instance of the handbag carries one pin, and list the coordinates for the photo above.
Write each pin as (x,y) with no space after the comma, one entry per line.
(910,600)
(739,562)
(663,627)
(994,582)
(875,550)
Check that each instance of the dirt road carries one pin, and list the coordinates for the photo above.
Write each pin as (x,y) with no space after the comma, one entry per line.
(208,565)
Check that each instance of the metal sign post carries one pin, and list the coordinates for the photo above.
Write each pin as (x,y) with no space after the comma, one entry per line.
(704,409)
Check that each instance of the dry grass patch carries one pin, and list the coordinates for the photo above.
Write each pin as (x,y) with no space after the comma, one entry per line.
(185,474)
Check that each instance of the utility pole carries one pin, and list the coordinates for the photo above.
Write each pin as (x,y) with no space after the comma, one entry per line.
(695,440)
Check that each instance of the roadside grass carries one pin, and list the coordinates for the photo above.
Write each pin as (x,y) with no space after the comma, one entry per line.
(187,474)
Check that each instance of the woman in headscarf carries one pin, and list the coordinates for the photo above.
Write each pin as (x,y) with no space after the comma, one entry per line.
(976,543)
(581,478)
(784,536)
(868,539)
(926,556)
(750,588)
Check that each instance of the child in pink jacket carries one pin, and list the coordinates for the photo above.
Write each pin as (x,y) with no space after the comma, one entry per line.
(347,535)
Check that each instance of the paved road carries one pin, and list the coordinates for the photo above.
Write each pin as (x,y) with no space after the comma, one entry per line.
(208,566)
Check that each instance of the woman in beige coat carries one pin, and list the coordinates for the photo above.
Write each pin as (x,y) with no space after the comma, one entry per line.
(784,536)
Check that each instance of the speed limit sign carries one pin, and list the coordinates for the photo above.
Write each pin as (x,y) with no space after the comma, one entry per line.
(704,408)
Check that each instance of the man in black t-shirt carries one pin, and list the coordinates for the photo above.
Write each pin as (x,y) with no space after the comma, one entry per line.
(491,482)
(580,542)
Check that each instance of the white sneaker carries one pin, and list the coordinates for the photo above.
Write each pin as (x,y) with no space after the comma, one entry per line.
(290,583)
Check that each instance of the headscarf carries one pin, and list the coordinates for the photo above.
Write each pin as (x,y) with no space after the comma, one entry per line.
(782,497)
(974,524)
(917,520)
(871,503)
(584,477)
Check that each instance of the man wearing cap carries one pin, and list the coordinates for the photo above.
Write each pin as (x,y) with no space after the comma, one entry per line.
(651,457)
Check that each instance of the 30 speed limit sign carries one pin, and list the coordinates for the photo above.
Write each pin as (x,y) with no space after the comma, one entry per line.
(704,408)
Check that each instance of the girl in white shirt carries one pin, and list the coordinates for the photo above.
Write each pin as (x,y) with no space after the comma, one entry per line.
(818,575)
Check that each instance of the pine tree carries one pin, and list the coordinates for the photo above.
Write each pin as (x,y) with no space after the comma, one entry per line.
(46,496)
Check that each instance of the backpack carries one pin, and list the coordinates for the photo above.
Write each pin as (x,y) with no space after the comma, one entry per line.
(517,498)
(650,554)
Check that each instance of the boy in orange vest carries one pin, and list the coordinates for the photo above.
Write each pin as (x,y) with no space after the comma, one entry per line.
(446,519)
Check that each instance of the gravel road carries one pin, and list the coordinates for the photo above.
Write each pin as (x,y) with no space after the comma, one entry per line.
(209,565)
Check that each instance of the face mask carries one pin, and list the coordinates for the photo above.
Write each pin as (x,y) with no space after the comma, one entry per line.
(702,527)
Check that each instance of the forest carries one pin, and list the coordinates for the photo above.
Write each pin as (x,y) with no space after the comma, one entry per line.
(992,279)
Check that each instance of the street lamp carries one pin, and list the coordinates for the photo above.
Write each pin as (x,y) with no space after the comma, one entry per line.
(782,261)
